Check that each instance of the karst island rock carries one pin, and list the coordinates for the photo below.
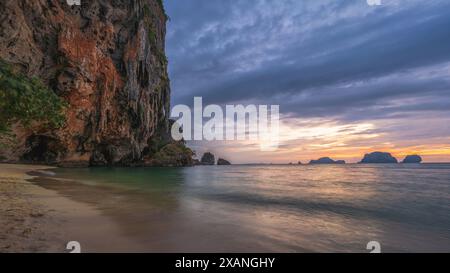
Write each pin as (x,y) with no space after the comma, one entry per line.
(379,157)
(106,60)
(222,161)
(412,159)
(196,162)
(326,160)
(208,159)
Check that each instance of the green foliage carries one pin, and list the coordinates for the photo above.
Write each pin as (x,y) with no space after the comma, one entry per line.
(152,36)
(161,4)
(162,58)
(146,11)
(24,100)
(173,154)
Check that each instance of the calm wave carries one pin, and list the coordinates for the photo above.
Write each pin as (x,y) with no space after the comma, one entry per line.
(272,208)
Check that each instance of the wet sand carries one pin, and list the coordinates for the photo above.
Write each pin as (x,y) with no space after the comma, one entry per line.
(36,219)
(234,209)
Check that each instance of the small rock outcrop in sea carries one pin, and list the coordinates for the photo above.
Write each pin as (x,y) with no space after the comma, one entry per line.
(208,159)
(173,154)
(222,161)
(196,162)
(379,157)
(412,159)
(326,160)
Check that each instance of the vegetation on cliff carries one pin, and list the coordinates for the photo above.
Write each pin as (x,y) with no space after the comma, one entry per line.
(149,19)
(174,154)
(110,72)
(26,101)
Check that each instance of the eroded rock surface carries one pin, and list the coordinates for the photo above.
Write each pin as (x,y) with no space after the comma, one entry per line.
(107,60)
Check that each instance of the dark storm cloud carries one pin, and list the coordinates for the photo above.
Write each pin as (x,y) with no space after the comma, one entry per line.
(381,98)
(314,58)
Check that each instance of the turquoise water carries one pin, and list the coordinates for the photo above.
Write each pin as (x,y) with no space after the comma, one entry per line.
(335,208)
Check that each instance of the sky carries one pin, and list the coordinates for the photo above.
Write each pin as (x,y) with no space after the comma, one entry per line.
(349,78)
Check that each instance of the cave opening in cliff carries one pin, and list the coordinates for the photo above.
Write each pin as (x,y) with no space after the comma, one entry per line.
(42,149)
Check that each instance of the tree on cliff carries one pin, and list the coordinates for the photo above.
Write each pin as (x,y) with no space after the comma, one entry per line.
(24,101)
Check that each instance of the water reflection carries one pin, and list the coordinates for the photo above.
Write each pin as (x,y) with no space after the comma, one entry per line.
(271,208)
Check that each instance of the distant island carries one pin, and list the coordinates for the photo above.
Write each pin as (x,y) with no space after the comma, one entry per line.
(370,158)
(209,159)
(383,157)
(222,161)
(412,159)
(326,160)
(378,158)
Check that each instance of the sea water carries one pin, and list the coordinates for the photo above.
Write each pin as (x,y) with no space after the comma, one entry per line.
(271,208)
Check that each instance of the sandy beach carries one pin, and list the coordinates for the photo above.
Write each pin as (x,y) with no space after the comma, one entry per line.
(35,219)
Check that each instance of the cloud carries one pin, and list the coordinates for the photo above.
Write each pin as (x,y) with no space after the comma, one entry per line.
(342,61)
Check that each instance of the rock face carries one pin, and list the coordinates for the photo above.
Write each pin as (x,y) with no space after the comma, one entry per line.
(412,159)
(107,60)
(326,160)
(379,157)
(222,161)
(174,154)
(208,159)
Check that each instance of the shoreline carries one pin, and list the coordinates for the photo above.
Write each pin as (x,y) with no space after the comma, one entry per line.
(42,212)
(35,219)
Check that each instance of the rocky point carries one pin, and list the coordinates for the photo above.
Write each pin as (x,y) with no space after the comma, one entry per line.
(107,60)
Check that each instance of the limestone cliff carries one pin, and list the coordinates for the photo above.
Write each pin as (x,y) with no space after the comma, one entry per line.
(106,59)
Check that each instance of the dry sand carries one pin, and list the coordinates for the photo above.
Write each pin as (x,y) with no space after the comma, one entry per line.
(34,219)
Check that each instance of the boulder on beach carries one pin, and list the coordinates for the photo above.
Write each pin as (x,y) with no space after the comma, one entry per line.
(208,159)
(378,157)
(326,160)
(412,159)
(222,161)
